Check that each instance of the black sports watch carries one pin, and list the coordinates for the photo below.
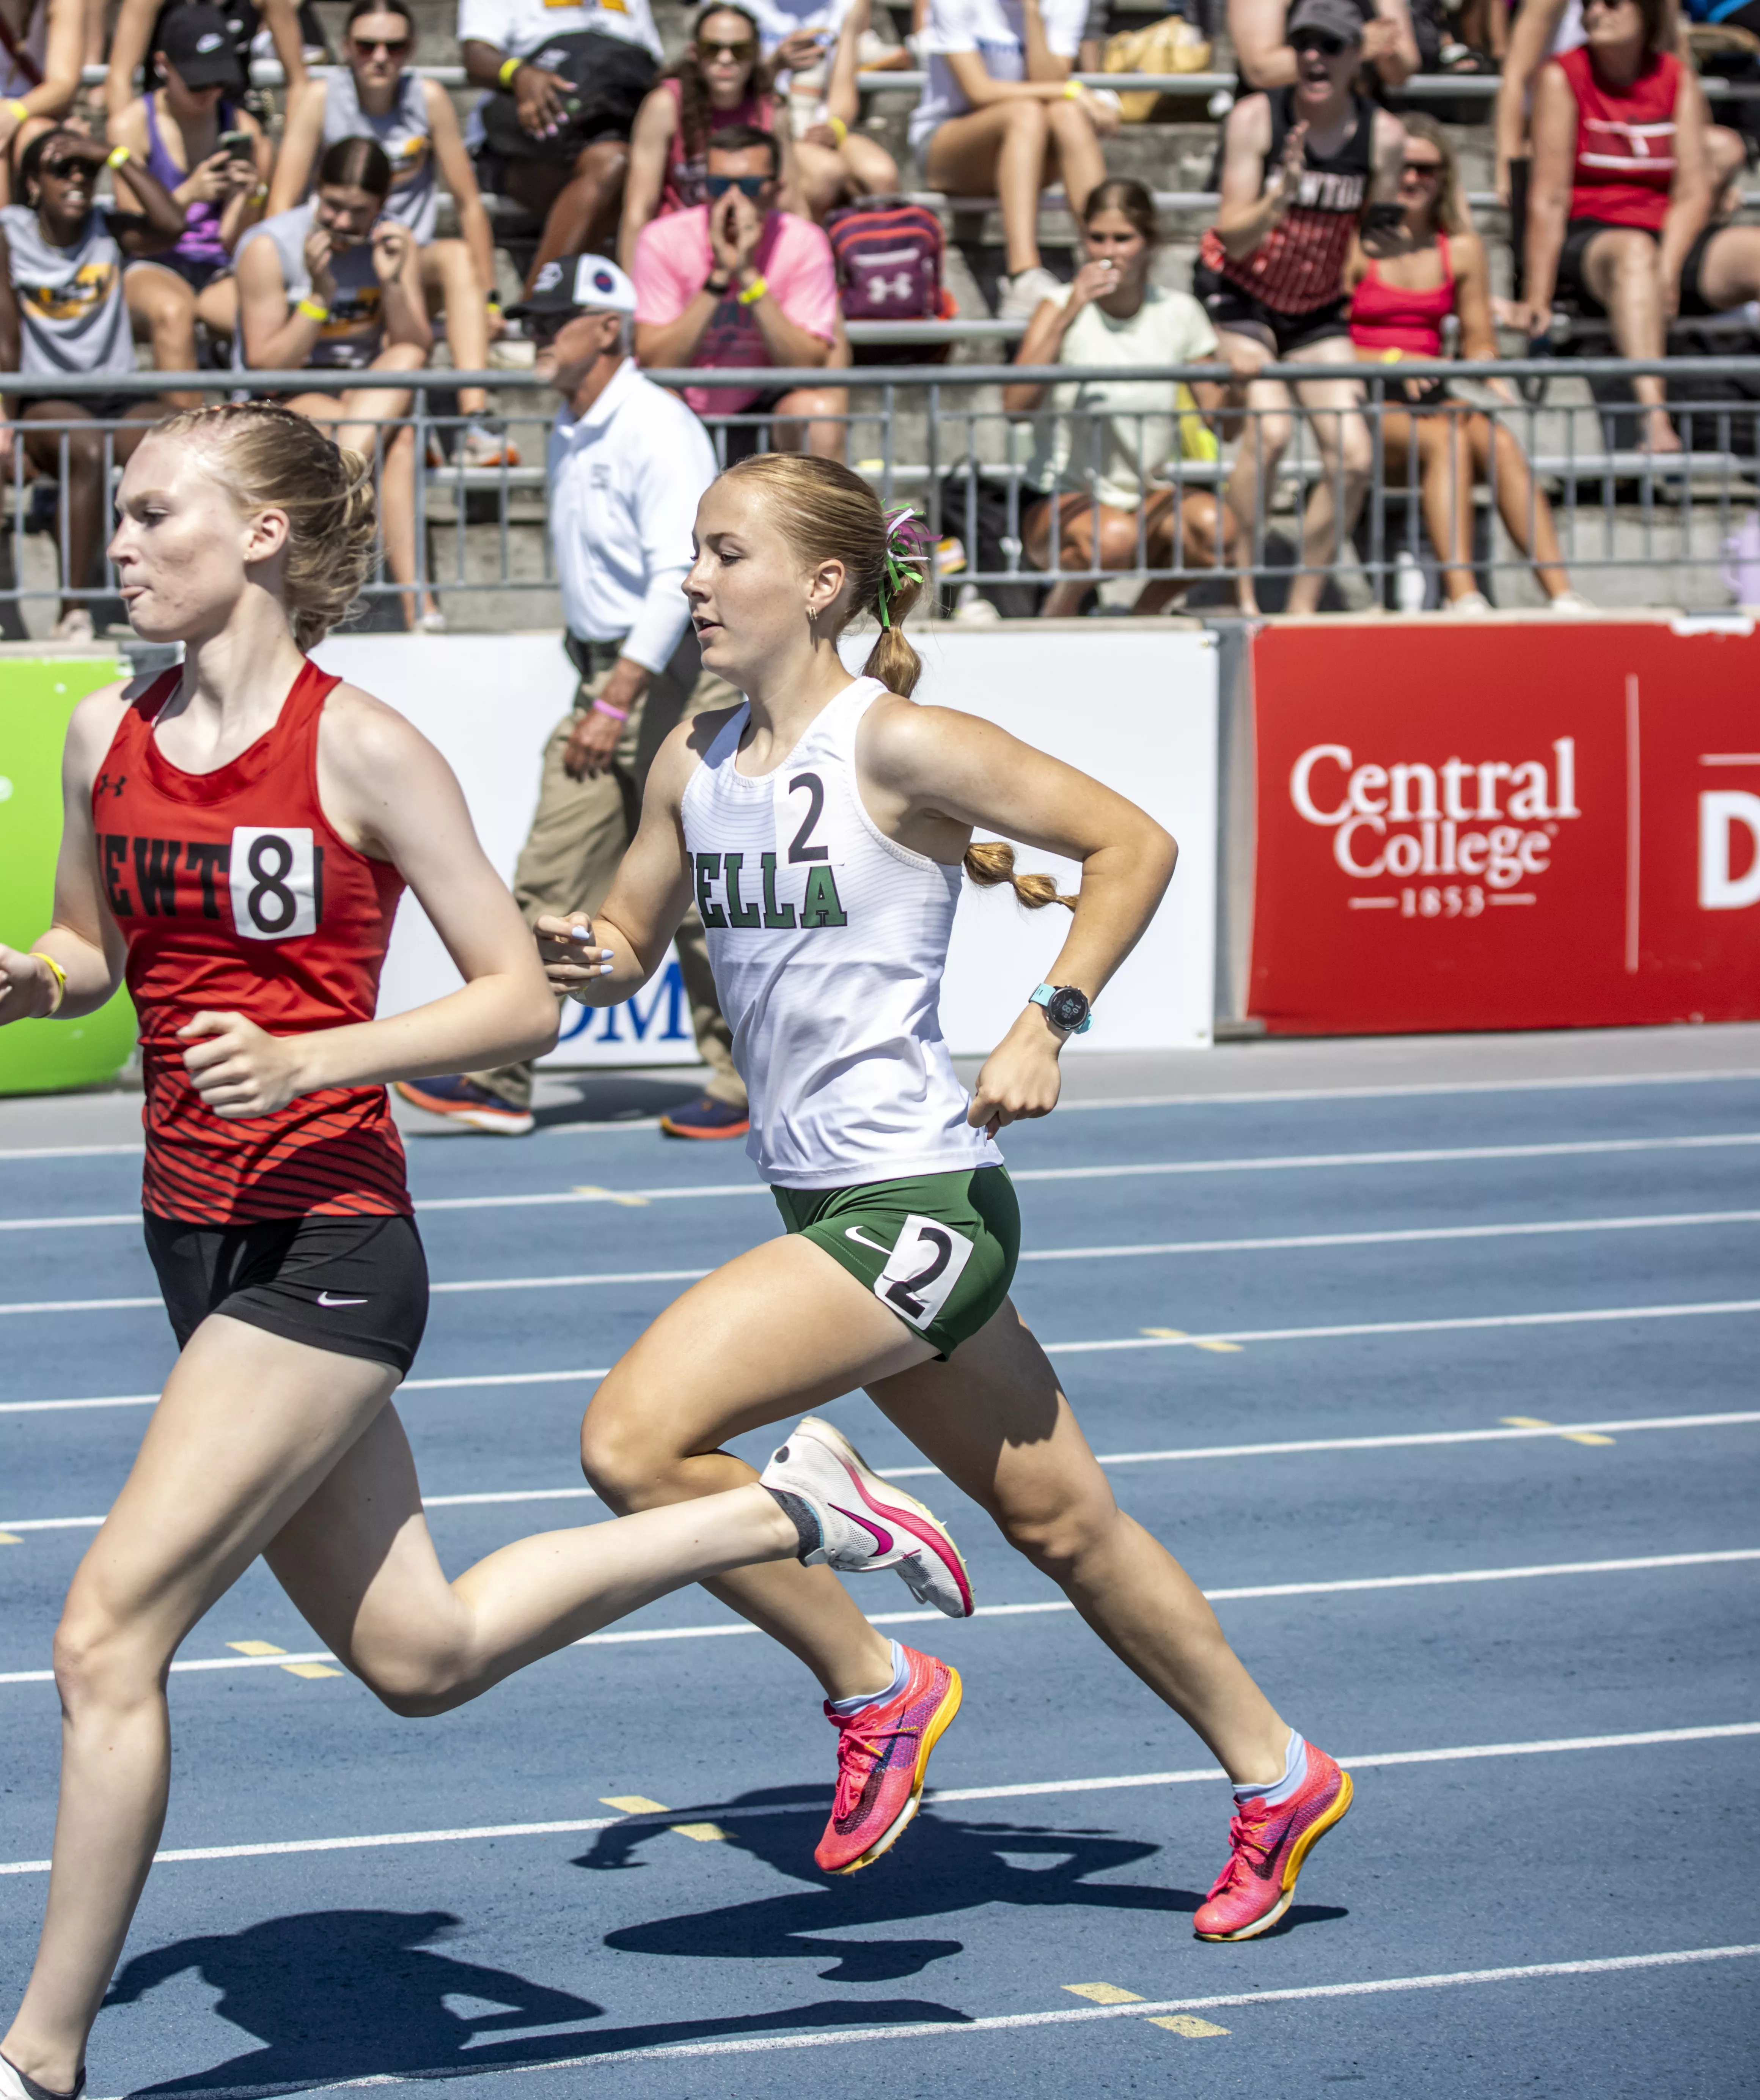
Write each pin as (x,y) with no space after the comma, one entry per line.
(1065,1008)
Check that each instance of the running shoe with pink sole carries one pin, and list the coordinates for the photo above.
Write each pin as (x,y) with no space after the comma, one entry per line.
(865,1522)
(883,1755)
(1269,1846)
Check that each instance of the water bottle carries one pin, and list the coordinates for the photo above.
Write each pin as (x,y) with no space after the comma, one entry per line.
(1408,582)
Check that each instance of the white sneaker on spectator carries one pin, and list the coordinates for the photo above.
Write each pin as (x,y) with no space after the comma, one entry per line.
(1021,302)
(74,626)
(483,446)
(1573,605)
(1474,606)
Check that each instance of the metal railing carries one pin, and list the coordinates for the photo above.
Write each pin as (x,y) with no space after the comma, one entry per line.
(1222,499)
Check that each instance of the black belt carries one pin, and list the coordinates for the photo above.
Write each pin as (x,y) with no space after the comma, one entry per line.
(593,660)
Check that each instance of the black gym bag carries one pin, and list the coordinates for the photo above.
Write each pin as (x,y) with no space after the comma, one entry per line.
(608,78)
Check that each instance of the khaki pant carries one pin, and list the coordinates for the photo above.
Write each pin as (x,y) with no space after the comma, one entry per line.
(584,827)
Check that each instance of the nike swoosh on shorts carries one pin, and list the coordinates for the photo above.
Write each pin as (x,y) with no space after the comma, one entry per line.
(326,1299)
(855,1232)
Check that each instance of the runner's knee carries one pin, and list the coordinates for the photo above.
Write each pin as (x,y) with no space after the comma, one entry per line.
(1058,1536)
(620,1455)
(102,1661)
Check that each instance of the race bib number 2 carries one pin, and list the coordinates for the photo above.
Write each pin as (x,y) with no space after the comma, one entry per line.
(925,1265)
(275,876)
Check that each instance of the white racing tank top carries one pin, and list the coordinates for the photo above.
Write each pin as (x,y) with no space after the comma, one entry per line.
(828,940)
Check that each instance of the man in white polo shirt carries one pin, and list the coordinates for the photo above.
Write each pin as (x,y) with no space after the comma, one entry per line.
(627,463)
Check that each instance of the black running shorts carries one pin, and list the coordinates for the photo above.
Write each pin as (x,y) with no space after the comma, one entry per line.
(356,1286)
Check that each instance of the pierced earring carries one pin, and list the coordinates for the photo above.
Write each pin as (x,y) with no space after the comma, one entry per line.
(813,614)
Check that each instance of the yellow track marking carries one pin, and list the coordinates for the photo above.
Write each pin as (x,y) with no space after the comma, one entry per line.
(1104,1994)
(1180,1335)
(309,1669)
(1565,1435)
(638,1804)
(1187,2023)
(256,1648)
(10,1538)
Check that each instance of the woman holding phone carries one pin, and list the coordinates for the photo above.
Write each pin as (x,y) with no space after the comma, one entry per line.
(193,132)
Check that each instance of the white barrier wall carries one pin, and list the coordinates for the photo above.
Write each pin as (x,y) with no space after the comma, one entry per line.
(1134,703)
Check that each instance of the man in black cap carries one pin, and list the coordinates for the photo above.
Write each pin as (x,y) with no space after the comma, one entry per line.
(1298,166)
(141,26)
(1391,42)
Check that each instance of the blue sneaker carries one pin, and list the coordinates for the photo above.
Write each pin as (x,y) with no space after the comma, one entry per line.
(706,1117)
(463,1101)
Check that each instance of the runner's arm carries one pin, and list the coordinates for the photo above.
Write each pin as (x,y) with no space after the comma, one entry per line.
(651,892)
(81,935)
(390,793)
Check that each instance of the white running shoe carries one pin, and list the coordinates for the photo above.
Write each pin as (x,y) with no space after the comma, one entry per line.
(864,1522)
(14,2085)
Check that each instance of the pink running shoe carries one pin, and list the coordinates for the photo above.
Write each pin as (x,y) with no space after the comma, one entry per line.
(883,1754)
(1253,1891)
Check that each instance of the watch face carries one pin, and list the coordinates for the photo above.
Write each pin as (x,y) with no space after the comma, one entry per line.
(1067,1007)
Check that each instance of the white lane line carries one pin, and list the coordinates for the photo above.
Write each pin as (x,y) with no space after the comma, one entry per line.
(1410,1326)
(1622,1426)
(934,1796)
(1142,2009)
(731,1628)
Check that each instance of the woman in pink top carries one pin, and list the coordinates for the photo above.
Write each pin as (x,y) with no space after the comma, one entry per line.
(717,83)
(1405,280)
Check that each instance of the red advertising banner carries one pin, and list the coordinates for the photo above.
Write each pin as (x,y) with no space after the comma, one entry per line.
(1505,826)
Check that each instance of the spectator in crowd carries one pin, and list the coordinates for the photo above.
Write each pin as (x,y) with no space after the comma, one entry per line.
(336,283)
(1298,167)
(627,463)
(41,48)
(1406,277)
(211,154)
(374,94)
(137,20)
(1097,459)
(1000,116)
(814,49)
(737,282)
(718,81)
(61,310)
(1268,59)
(1620,190)
(554,134)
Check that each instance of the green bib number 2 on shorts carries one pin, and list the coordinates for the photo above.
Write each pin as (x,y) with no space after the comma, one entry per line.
(939,1250)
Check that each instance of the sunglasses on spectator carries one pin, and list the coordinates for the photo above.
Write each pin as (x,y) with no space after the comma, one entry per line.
(1612,6)
(392,48)
(1426,171)
(1317,40)
(749,186)
(62,170)
(739,53)
(544,328)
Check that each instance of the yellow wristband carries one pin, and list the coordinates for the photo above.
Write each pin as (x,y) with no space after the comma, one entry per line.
(1072,90)
(117,156)
(60,981)
(21,110)
(840,129)
(312,309)
(508,69)
(754,292)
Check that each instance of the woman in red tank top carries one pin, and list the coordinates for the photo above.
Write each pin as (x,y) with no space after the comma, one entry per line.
(239,832)
(1404,281)
(1620,189)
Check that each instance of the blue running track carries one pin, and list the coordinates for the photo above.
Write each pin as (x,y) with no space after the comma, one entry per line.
(1537,1649)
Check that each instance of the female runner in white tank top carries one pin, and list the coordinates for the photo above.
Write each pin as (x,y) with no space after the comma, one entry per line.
(821,830)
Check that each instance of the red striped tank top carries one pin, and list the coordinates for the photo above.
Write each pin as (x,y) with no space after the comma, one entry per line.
(235,896)
(1624,141)
(1298,267)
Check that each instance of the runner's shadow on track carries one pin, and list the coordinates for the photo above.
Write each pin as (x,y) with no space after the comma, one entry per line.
(953,1866)
(337,1996)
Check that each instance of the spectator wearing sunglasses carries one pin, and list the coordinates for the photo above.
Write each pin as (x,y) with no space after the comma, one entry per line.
(717,82)
(1298,167)
(61,310)
(376,95)
(1260,31)
(211,154)
(735,281)
(626,465)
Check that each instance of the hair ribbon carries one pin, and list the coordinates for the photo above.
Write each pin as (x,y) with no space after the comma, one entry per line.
(907,543)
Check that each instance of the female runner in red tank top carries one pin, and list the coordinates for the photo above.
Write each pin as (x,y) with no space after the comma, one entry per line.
(1620,190)
(231,840)
(1404,281)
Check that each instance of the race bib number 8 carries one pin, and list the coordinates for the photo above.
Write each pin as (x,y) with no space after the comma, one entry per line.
(925,1265)
(274,883)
